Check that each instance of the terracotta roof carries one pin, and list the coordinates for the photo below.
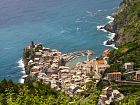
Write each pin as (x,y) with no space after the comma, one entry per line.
(115,73)
(106,52)
(100,61)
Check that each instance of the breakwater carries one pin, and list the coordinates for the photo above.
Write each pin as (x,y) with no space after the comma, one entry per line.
(69,56)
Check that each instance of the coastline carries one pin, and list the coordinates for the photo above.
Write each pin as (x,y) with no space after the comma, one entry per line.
(110,35)
(21,65)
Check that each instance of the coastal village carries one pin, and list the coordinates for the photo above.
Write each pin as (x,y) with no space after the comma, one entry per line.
(48,66)
(52,77)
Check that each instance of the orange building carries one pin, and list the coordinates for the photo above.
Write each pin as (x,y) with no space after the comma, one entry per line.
(100,65)
(114,76)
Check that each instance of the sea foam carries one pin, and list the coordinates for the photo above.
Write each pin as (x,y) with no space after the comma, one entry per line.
(21,65)
(99,28)
(111,45)
(111,19)
(110,35)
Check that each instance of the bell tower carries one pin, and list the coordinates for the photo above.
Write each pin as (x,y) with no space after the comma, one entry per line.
(89,55)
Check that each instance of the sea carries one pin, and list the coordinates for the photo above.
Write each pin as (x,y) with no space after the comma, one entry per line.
(65,25)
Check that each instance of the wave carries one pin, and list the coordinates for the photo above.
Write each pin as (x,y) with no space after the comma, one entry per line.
(77,29)
(21,65)
(99,10)
(78,20)
(111,45)
(111,19)
(63,31)
(110,35)
(8,48)
(90,13)
(101,28)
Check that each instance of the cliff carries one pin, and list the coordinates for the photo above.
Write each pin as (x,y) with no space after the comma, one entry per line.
(126,24)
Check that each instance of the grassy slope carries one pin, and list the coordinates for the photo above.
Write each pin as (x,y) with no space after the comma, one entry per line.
(128,23)
(129,51)
(129,19)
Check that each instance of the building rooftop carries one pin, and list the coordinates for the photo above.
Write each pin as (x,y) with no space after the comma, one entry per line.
(106,52)
(138,72)
(129,63)
(115,73)
(65,71)
(38,53)
(100,61)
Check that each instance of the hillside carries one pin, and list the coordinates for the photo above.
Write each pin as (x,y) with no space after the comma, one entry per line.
(36,93)
(126,25)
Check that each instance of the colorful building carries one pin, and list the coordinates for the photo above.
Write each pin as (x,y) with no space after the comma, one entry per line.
(114,76)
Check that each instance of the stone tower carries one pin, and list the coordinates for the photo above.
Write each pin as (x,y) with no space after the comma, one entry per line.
(89,55)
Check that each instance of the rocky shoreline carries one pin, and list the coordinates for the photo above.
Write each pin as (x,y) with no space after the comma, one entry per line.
(113,27)
(122,24)
(112,34)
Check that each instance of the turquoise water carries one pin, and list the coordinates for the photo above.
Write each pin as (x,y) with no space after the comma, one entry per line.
(66,25)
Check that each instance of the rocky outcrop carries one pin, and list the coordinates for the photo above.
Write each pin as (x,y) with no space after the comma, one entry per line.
(126,23)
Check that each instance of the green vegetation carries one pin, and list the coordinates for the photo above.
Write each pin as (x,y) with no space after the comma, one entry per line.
(29,53)
(131,93)
(127,28)
(37,93)
(30,94)
(129,19)
(127,22)
(129,52)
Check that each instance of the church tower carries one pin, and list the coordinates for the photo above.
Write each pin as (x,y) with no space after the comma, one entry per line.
(89,55)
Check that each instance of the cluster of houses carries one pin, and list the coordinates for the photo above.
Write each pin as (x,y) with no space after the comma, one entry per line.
(47,66)
(100,65)
(44,59)
(71,81)
(109,95)
(129,69)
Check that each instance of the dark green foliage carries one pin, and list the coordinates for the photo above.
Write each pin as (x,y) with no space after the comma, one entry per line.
(127,23)
(129,52)
(102,84)
(36,93)
(132,94)
(39,47)
(30,94)
(128,19)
